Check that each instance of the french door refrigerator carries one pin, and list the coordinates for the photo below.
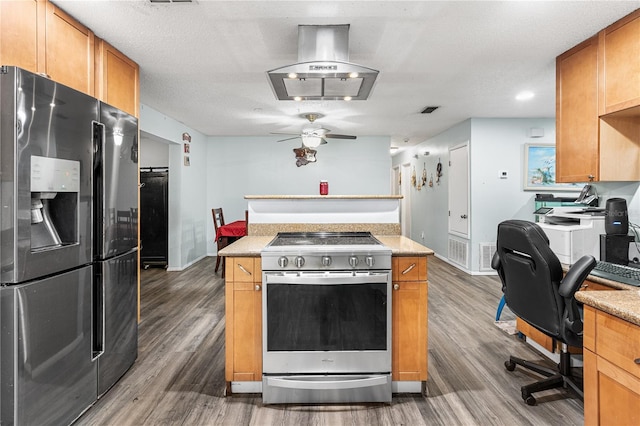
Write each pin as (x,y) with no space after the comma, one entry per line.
(47,369)
(115,241)
(68,237)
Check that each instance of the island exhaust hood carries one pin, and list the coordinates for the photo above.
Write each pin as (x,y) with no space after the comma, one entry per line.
(323,71)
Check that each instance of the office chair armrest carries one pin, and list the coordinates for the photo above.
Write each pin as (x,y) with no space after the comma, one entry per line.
(495,261)
(576,275)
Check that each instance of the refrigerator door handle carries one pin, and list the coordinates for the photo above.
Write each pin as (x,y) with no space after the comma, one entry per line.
(99,330)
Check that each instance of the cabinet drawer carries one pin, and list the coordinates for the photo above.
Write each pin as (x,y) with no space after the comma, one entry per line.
(244,269)
(618,341)
(409,268)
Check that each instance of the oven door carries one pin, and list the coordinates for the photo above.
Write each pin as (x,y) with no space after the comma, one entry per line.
(326,322)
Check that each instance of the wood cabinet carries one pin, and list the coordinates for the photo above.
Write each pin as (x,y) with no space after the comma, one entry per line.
(40,37)
(577,113)
(619,65)
(68,51)
(611,369)
(598,106)
(19,33)
(243,332)
(409,319)
(117,78)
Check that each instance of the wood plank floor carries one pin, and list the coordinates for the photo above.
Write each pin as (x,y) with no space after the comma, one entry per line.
(178,378)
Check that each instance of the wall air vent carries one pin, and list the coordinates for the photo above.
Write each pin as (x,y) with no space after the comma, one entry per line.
(323,70)
(429,109)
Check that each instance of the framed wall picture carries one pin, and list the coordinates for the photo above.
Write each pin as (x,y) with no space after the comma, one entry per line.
(540,169)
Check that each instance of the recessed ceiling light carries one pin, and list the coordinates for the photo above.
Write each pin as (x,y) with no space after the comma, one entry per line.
(525,96)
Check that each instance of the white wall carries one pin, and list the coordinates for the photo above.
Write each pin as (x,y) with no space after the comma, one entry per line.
(259,165)
(187,188)
(154,152)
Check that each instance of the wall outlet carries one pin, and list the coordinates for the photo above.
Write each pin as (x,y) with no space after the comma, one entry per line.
(503,174)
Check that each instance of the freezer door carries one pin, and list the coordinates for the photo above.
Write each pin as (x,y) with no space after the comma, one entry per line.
(46,155)
(118,281)
(116,183)
(47,375)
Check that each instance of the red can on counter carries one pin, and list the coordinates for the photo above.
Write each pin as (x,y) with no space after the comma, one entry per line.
(324,187)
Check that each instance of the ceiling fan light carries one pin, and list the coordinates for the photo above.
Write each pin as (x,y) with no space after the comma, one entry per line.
(311,141)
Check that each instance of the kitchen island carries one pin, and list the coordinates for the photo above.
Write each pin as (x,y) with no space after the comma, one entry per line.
(243,300)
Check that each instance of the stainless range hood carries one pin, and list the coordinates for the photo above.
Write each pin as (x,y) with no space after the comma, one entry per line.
(323,71)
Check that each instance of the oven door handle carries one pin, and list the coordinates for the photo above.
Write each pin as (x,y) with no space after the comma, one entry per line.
(301,382)
(326,278)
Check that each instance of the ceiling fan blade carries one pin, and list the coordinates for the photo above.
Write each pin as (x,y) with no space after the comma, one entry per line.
(334,136)
(288,139)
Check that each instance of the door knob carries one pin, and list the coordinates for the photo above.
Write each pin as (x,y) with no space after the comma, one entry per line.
(463,216)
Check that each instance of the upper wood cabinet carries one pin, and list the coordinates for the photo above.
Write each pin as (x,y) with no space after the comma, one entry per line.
(619,65)
(19,33)
(577,113)
(69,51)
(117,78)
(41,38)
(598,106)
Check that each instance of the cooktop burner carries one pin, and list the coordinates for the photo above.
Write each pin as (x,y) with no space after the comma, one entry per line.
(323,239)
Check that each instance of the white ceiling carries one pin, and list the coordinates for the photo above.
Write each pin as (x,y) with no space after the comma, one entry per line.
(204,63)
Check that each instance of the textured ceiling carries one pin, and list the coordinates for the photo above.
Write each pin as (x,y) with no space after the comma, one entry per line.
(204,63)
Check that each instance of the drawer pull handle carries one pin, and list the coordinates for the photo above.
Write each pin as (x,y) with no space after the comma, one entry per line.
(243,270)
(406,271)
(396,286)
(257,287)
(637,361)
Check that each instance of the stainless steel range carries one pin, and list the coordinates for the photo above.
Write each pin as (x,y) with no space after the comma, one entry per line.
(326,304)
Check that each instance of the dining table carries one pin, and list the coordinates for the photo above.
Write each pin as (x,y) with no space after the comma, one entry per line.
(232,230)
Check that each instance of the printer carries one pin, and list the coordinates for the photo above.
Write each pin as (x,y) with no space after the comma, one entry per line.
(574,232)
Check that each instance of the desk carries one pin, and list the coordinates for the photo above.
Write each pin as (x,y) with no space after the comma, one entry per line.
(233,229)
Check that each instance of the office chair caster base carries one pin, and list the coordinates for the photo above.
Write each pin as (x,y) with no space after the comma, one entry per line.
(510,365)
(528,398)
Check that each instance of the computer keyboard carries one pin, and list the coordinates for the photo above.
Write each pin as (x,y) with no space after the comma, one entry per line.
(611,271)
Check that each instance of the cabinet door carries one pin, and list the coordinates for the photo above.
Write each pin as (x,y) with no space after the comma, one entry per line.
(69,51)
(117,78)
(611,395)
(243,332)
(577,148)
(409,328)
(19,34)
(619,56)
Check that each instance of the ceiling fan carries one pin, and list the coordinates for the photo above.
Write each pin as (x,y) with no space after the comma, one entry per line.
(312,137)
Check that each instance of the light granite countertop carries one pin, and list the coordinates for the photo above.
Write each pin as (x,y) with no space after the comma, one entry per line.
(624,304)
(252,245)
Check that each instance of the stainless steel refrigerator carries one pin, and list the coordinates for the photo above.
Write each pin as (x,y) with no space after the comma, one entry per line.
(68,237)
(115,170)
(47,369)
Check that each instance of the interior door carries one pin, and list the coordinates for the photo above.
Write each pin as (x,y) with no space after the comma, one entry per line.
(154,218)
(459,190)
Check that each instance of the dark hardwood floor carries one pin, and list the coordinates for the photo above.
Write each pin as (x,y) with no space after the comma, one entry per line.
(178,378)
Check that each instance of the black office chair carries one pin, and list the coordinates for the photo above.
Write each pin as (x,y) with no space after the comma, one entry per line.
(535,290)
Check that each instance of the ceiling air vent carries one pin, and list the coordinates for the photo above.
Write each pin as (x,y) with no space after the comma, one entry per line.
(323,71)
(429,110)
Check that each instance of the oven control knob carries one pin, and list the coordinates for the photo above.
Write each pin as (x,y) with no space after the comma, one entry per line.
(326,260)
(353,261)
(299,261)
(283,262)
(369,260)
